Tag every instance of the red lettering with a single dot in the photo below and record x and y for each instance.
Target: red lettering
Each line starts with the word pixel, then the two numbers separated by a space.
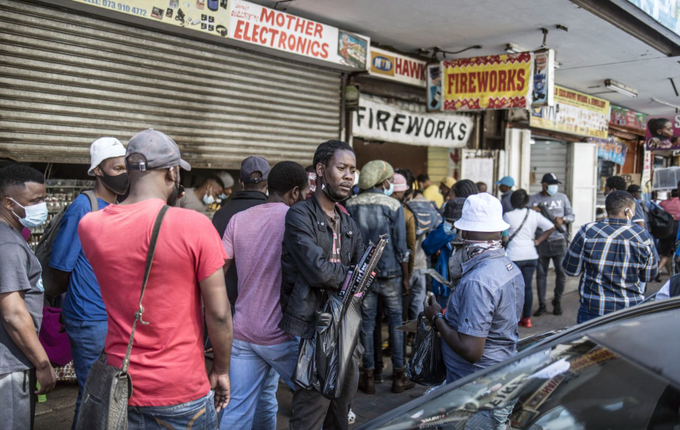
pixel 274 32
pixel 238 32
pixel 414 69
pixel 473 77
pixel 452 81
pixel 301 45
pixel 502 77
pixel 280 22
pixel 282 40
pixel 398 66
pixel 315 48
pixel 483 80
pixel 267 16
pixel 256 33
pixel 421 72
pixel 290 19
pixel 300 25
pixel 493 81
pixel 521 80
pixel 263 32
pixel 309 28
pixel 245 32
pixel 463 83
pixel 324 50
pixel 512 73
pixel 291 42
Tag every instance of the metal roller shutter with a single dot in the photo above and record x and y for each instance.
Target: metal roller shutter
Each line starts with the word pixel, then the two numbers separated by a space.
pixel 548 156
pixel 68 78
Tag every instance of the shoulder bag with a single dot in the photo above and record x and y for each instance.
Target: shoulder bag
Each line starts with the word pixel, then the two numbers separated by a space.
pixel 518 229
pixel 107 389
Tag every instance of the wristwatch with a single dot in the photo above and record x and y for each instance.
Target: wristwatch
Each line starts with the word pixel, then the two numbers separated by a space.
pixel 435 318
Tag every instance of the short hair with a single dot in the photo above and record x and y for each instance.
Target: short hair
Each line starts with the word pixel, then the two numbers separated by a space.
pixel 16 176
pixel 465 188
pixel 325 152
pixel 519 199
pixel 215 178
pixel 616 182
pixel 480 183
pixel 617 200
pixel 285 176
pixel 656 124
pixel 423 177
pixel 310 169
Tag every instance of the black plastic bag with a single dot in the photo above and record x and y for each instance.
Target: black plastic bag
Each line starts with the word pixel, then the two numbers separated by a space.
pixel 426 366
pixel 327 346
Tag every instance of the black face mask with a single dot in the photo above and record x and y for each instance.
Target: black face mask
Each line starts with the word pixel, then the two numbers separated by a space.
pixel 332 194
pixel 176 191
pixel 119 184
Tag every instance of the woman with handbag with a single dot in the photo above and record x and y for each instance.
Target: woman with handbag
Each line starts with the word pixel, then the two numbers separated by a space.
pixel 521 244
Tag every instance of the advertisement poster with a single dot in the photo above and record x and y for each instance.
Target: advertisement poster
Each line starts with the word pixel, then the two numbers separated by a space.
pixel 493 82
pixel 397 67
pixel 434 87
pixel 377 120
pixel 273 29
pixel 628 118
pixel 663 132
pixel 208 16
pixel 544 78
pixel 611 149
pixel 665 12
pixel 574 113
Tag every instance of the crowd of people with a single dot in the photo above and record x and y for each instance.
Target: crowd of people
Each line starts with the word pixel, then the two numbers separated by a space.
pixel 249 285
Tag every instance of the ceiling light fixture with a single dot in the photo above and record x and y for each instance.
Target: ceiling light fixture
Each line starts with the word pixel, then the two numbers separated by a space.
pixel 620 88
pixel 511 48
pixel 666 103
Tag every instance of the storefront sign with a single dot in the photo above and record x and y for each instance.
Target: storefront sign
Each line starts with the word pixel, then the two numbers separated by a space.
pixel 493 82
pixel 544 78
pixel 611 149
pixel 208 16
pixel 663 132
pixel 376 120
pixel 646 168
pixel 628 118
pixel 252 23
pixel 665 12
pixel 397 67
pixel 573 113
pixel 434 87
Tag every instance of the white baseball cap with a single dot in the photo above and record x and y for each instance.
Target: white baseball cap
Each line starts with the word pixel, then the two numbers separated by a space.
pixel 103 149
pixel 482 213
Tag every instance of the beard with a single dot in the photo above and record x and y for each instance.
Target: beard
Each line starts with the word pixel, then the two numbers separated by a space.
pixel 172 199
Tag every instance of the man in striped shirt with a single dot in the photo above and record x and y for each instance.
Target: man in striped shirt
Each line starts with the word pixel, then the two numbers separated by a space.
pixel 615 256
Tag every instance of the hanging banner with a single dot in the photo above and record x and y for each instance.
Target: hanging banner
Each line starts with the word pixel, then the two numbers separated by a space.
pixel 376 120
pixel 611 149
pixel 273 29
pixel 493 82
pixel 434 87
pixel 628 118
pixel 397 67
pixel 544 78
pixel 663 132
pixel 207 16
pixel 573 113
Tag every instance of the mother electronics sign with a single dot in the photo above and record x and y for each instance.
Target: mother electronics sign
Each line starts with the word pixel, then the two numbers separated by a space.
pixel 208 16
pixel 252 23
pixel 493 82
pixel 573 113
pixel 380 121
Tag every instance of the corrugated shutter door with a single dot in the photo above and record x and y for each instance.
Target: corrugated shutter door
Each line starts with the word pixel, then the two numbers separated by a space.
pixel 68 78
pixel 548 157
pixel 437 163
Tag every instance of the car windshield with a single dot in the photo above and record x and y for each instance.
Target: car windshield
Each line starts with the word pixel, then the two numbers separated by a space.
pixel 574 385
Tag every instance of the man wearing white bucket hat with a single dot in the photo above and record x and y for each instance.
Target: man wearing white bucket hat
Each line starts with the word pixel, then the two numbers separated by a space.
pixel 480 326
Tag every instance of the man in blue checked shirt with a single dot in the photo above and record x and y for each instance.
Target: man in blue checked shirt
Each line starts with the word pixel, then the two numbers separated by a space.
pixel 615 256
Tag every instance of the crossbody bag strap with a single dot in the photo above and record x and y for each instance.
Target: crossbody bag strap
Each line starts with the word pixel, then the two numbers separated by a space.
pixel 149 261
pixel 518 229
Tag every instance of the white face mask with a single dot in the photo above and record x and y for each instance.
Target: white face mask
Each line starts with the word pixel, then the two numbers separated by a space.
pixel 208 199
pixel 552 189
pixel 36 215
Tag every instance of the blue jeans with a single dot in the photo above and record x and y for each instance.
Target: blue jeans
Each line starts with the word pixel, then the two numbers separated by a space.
pixel 249 374
pixel 527 267
pixel 390 290
pixel 585 314
pixel 196 415
pixel 87 343
pixel 267 404
pixel 418 288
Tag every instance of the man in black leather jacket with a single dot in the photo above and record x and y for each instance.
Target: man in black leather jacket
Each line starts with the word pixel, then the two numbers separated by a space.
pixel 320 243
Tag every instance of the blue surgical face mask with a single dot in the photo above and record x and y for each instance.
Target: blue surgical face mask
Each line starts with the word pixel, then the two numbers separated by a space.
pixel 552 189
pixel 208 199
pixel 36 215
pixel 390 190
pixel 449 229
pixel 222 196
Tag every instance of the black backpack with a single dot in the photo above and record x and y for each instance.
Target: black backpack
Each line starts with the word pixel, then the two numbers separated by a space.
pixel 426 214
pixel 44 249
pixel 660 222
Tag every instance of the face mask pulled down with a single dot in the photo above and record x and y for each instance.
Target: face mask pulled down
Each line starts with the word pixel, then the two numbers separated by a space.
pixel 474 248
pixel 36 215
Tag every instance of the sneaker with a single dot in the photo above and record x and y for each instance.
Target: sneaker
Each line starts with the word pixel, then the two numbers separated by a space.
pixel 351 417
pixel 557 307
pixel 540 311
pixel 525 322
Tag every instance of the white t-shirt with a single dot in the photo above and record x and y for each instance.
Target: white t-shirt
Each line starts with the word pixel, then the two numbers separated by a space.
pixel 522 246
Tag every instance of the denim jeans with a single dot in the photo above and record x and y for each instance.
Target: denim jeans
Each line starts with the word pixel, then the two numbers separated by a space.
pixel 267 405
pixel 418 289
pixel 87 343
pixel 250 373
pixel 527 267
pixel 390 290
pixel 585 314
pixel 555 251
pixel 195 415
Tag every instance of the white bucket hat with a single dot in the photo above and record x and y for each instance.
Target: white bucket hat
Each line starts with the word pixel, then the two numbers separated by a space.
pixel 482 213
pixel 103 149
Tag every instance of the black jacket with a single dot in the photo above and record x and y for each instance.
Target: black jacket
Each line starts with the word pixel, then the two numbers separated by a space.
pixel 307 271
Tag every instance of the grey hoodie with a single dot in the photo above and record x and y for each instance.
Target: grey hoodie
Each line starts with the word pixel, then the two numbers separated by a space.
pixel 558 206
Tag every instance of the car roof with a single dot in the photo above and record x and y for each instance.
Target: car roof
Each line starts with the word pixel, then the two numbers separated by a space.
pixel 652 341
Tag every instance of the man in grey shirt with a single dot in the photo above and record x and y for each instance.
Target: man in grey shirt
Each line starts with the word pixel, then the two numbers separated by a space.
pixel 555 248
pixel 22 357
pixel 505 186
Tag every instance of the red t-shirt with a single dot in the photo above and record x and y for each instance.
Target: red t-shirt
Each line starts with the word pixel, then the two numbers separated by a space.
pixel 167 364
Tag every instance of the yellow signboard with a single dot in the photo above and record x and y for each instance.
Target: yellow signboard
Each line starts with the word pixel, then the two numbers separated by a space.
pixel 492 82
pixel 574 113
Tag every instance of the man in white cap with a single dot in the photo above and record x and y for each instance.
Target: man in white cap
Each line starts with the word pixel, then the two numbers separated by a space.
pixel 83 311
pixel 480 326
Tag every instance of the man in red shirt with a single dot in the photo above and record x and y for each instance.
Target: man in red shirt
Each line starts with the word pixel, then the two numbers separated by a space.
pixel 171 386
